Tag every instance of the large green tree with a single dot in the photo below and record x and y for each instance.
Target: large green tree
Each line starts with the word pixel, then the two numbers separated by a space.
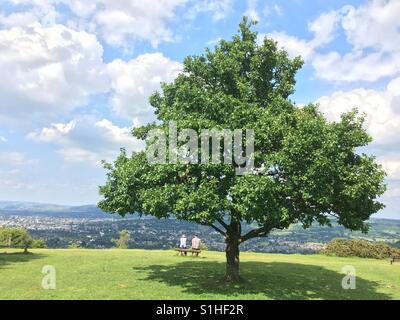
pixel 306 168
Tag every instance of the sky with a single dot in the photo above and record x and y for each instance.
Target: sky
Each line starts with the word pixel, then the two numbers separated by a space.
pixel 76 76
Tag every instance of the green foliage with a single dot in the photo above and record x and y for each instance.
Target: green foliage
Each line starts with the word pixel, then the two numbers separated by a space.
pixel 73 245
pixel 38 244
pixel 15 238
pixel 123 241
pixel 360 248
pixel 203 247
pixel 307 168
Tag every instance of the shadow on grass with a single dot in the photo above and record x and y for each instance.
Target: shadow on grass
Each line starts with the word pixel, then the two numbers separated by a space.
pixel 8 258
pixel 274 280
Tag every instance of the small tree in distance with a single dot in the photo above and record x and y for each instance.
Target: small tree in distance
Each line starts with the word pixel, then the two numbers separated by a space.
pixel 306 168
pixel 15 238
pixel 123 241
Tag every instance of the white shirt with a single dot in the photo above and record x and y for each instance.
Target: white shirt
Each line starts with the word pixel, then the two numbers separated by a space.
pixel 183 242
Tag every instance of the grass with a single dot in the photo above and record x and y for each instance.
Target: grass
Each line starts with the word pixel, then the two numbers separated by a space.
pixel 144 274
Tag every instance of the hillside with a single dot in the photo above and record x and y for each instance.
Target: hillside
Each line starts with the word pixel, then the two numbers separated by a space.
pixel 141 274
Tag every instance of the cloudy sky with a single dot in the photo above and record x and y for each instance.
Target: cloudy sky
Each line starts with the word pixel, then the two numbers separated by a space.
pixel 76 75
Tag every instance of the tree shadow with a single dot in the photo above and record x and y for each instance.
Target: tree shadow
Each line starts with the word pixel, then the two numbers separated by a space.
pixel 8 258
pixel 262 280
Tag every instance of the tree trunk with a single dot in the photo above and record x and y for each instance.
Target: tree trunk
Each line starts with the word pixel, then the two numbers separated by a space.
pixel 232 259
pixel 26 249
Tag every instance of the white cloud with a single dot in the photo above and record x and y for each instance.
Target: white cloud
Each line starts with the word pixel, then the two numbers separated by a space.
pixel 13 158
pixel 42 11
pixel 391 164
pixel 293 45
pixel 272 9
pixel 374 25
pixel 382 109
pixel 50 70
pixel 393 191
pixel 356 66
pixel 394 87
pixel 120 21
pixel 12 166
pixel 373 32
pixel 251 10
pixel 3 139
pixel 13 180
pixel 87 139
pixel 213 41
pixel 53 70
pixel 134 81
pixel 115 21
pixel 278 9
pixel 219 9
pixel 323 28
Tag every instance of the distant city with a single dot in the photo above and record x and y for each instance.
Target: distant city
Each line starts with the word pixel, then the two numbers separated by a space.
pixel 88 227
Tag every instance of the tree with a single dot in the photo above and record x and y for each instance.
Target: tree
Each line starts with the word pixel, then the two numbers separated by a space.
pixel 15 238
pixel 123 241
pixel 306 169
pixel 38 244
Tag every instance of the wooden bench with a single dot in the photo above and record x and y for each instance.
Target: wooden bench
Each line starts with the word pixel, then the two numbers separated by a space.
pixel 394 258
pixel 193 251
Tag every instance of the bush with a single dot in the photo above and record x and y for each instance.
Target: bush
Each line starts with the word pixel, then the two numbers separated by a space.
pixel 38 244
pixel 360 248
pixel 123 241
pixel 74 245
pixel 15 238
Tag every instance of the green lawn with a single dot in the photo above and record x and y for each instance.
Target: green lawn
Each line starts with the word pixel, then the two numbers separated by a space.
pixel 144 274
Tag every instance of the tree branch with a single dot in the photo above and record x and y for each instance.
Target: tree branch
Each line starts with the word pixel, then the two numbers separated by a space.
pixel 212 226
pixel 222 222
pixel 217 229
pixel 333 215
pixel 255 233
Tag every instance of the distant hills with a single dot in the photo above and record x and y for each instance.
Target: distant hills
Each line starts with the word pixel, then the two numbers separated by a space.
pixel 10 208
pixel 91 211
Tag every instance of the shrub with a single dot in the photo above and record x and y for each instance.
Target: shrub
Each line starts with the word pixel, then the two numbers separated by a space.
pixel 360 248
pixel 123 241
pixel 15 238
pixel 74 245
pixel 38 244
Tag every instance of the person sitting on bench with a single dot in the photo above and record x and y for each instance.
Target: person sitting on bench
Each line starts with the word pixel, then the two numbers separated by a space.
pixel 196 244
pixel 182 244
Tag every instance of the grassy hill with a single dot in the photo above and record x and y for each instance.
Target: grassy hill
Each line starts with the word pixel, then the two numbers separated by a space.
pixel 144 274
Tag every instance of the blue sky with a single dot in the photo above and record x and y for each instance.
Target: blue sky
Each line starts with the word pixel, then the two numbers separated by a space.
pixel 76 76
